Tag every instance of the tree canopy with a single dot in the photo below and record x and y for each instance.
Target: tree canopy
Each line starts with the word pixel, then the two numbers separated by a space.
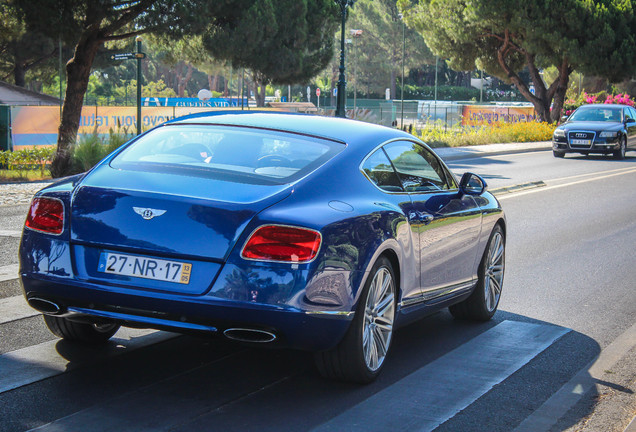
pixel 87 25
pixel 20 51
pixel 280 41
pixel 502 37
pixel 378 50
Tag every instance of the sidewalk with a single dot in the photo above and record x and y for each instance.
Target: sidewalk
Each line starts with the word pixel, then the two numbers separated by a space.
pixel 455 153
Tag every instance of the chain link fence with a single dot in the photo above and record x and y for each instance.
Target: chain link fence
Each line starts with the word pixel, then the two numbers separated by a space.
pixel 434 114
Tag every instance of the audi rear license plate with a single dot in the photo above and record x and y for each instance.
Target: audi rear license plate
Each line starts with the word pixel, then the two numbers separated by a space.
pixel 144 267
pixel 581 142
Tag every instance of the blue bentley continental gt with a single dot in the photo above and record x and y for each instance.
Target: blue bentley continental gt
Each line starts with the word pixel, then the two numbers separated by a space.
pixel 297 231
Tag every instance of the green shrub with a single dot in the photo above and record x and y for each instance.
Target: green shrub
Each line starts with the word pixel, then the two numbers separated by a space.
pixel 117 139
pixel 89 150
pixel 28 159
pixel 92 148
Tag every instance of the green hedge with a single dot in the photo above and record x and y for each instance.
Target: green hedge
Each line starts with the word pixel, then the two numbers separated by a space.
pixel 29 159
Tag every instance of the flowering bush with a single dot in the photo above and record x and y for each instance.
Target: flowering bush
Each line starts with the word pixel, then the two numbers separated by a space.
pixel 602 97
pixel 619 99
pixel 498 132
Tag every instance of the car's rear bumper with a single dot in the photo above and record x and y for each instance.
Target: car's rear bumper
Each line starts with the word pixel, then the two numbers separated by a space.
pixel 293 328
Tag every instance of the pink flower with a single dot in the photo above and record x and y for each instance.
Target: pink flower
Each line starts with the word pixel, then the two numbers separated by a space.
pixel 591 99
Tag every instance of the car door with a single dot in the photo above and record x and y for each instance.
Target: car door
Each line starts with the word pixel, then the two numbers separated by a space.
pixel 448 222
pixel 377 167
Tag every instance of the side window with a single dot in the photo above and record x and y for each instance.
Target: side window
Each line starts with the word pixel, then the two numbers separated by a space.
pixel 627 113
pixel 630 114
pixel 379 170
pixel 418 169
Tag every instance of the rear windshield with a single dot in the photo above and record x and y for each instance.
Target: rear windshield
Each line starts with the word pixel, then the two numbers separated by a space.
pixel 227 153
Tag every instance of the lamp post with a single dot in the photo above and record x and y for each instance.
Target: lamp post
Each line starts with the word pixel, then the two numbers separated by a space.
pixel 341 100
pixel 354 35
pixel 435 103
pixel 139 55
pixel 402 85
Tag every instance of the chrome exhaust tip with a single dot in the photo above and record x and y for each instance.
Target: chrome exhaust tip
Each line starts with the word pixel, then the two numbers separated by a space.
pixel 249 335
pixel 44 306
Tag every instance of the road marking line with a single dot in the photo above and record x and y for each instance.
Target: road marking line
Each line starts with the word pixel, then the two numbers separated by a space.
pixel 10 233
pixel 15 308
pixel 550 187
pixel 592 174
pixel 9 272
pixel 35 363
pixel 441 389
pixel 567 396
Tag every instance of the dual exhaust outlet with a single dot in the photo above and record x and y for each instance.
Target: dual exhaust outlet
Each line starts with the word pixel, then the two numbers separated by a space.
pixel 235 333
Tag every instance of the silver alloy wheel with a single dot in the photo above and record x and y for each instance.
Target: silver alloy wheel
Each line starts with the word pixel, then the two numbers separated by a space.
pixel 379 314
pixel 494 272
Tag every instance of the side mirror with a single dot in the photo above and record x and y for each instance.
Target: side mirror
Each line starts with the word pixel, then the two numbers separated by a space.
pixel 564 118
pixel 630 120
pixel 472 184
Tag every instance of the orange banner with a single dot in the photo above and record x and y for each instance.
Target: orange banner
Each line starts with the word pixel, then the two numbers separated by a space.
pixel 38 125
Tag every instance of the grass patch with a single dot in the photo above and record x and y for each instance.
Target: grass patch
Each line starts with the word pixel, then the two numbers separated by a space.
pixel 461 136
pixel 12 176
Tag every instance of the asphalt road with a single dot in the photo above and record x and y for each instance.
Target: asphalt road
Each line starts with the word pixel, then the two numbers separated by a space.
pixel 559 354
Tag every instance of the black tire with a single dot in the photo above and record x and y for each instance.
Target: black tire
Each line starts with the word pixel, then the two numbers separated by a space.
pixel 620 153
pixel 349 360
pixel 482 303
pixel 83 333
pixel 558 154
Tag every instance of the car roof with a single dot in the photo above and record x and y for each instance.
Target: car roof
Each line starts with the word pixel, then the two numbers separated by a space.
pixel 332 128
pixel 604 106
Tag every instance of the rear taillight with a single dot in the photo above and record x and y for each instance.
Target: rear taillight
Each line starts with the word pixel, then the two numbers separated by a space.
pixel 46 215
pixel 282 243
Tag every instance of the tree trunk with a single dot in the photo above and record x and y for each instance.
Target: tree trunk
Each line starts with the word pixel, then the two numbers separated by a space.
pixel 260 94
pixel 183 82
pixel 562 82
pixel 393 86
pixel 78 70
pixel 19 74
pixel 215 83
pixel 542 97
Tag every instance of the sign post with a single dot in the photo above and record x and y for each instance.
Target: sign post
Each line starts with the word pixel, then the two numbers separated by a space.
pixel 318 95
pixel 139 56
pixel 131 56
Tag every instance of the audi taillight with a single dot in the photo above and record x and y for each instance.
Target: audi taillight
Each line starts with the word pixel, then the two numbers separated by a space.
pixel 46 215
pixel 282 243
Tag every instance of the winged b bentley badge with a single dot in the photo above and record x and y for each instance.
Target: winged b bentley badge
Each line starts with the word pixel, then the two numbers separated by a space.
pixel 148 213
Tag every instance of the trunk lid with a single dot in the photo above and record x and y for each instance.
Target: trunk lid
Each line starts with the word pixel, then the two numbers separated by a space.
pixel 166 214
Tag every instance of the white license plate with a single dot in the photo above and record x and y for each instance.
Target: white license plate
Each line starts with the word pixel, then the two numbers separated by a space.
pixel 581 142
pixel 144 267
